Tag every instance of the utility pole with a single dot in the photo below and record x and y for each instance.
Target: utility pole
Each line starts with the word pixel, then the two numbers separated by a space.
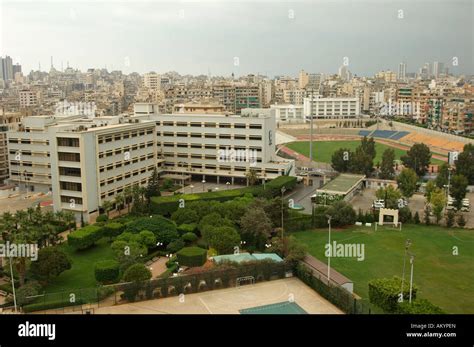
pixel 407 245
pixel 283 189
pixel 330 249
pixel 412 260
pixel 13 284
pixel 311 128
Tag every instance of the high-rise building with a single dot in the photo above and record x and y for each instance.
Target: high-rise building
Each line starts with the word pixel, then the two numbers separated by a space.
pixel 303 79
pixel 438 69
pixel 344 73
pixel 6 68
pixel 402 71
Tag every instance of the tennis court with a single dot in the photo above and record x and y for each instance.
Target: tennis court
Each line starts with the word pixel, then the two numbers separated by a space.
pixel 286 307
pixel 283 296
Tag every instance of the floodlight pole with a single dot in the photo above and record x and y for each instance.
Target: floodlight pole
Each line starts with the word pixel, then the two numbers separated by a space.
pixel 311 129
pixel 412 260
pixel 407 245
pixel 13 284
pixel 330 249
pixel 283 189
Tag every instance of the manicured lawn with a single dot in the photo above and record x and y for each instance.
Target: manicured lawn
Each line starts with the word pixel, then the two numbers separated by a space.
pixel 81 275
pixel 323 150
pixel 443 278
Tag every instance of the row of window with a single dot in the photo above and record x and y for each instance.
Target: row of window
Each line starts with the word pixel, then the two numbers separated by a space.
pixel 29 141
pixel 210 125
pixel 23 174
pixel 125 135
pixel 112 192
pixel 209 146
pixel 126 175
pixel 212 136
pixel 68 141
pixel 206 156
pixel 126 149
pixel 119 164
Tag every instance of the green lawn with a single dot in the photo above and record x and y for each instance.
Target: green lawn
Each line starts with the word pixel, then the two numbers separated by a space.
pixel 323 150
pixel 443 278
pixel 81 274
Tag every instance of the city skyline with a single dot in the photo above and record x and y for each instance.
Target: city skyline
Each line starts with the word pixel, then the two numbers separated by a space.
pixel 372 36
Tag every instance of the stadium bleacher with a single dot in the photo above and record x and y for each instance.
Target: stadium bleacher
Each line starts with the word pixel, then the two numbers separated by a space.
pixel 398 135
pixel 384 134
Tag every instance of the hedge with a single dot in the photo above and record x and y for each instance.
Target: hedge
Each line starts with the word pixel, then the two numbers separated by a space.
pixel 166 205
pixel 51 305
pixel 107 271
pixel 418 306
pixel 385 293
pixel 113 229
pixel 192 256
pixel 85 237
pixel 187 228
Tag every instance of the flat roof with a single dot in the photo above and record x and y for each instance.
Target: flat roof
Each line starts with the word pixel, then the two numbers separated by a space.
pixel 342 184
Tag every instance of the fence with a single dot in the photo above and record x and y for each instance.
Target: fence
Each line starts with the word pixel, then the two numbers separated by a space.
pixel 337 295
pixel 223 276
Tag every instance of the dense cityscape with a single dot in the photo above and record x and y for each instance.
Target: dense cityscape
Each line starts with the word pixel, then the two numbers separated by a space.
pixel 314 192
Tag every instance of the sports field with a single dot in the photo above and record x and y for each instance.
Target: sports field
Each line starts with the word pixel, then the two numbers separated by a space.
pixel 323 150
pixel 442 277
pixel 284 296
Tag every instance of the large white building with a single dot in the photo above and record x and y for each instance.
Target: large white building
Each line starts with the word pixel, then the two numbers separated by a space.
pixel 217 147
pixel 328 108
pixel 82 161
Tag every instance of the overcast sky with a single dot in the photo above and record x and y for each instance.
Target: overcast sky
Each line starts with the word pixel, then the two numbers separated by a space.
pixel 268 37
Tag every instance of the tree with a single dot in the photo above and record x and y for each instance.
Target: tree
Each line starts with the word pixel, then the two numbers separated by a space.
pixel 443 175
pixel 368 146
pixel 255 227
pixel 288 248
pixel 340 159
pixel 137 273
pixel 461 221
pixel 361 162
pixel 427 213
pixel 51 262
pixel 223 239
pixel 342 214
pixel 418 158
pixel 450 218
pixel 465 163
pixel 387 171
pixel 390 195
pixel 407 182
pixel 252 177
pixel 416 218
pixel 185 216
pixel 128 194
pixel 107 206
pixel 153 187
pixel 119 201
pixel 429 188
pixel 438 202
pixel 458 189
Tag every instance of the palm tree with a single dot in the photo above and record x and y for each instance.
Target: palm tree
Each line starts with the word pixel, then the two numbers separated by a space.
pixel 107 206
pixel 252 177
pixel 119 201
pixel 127 192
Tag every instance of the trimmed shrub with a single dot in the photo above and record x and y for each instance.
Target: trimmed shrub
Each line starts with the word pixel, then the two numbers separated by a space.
pixel 166 205
pixel 187 228
pixel 137 273
pixel 107 271
pixel 113 229
pixel 189 237
pixel 385 292
pixel 405 215
pixel 175 246
pixel 192 256
pixel 202 244
pixel 32 288
pixel 102 218
pixel 164 229
pixel 85 237
pixel 419 306
pixel 185 216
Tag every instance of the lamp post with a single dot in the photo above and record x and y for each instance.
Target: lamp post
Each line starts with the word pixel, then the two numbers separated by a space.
pixel 283 189
pixel 329 243
pixel 192 187
pixel 311 128
pixel 407 245
pixel 13 284
pixel 449 183
pixel 227 185
pixel 412 261
pixel 203 182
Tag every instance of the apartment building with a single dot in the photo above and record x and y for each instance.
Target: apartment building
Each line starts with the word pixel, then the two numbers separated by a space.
pixel 82 161
pixel 283 113
pixel 237 97
pixel 29 98
pixel 216 147
pixel 327 108
pixel 458 113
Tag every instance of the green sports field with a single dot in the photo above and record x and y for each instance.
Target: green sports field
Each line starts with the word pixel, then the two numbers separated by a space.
pixel 443 278
pixel 323 150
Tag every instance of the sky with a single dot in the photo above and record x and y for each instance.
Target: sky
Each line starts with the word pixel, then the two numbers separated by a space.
pixel 241 37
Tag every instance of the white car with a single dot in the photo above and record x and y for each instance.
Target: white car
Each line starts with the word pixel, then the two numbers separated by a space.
pixel 378 204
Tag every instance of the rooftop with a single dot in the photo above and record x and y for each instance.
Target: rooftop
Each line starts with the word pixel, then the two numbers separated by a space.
pixel 342 184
